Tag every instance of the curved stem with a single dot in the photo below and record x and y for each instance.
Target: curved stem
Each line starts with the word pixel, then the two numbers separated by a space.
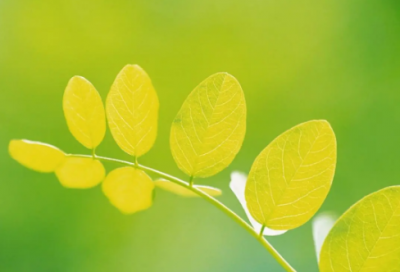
pixel 209 199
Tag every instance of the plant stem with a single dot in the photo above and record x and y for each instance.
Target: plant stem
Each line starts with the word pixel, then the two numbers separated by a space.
pixel 211 200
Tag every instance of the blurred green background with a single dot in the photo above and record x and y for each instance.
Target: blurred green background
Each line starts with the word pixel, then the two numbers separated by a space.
pixel 297 60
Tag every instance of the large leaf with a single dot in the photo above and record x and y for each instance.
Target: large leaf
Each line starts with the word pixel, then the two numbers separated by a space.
pixel 132 111
pixel 80 173
pixel 84 112
pixel 238 185
pixel 35 155
pixel 367 237
pixel 182 191
pixel 209 129
pixel 129 189
pixel 290 179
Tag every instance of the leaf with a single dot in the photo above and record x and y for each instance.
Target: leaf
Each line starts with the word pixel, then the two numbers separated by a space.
pixel 209 129
pixel 35 155
pixel 366 238
pixel 129 189
pixel 132 111
pixel 80 173
pixel 237 185
pixel 321 226
pixel 84 112
pixel 290 179
pixel 182 191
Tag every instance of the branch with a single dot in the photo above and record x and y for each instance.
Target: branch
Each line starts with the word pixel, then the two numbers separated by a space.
pixel 209 199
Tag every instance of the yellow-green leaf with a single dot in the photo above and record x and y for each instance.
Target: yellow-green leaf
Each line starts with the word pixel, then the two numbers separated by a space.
pixel 209 129
pixel 290 179
pixel 80 173
pixel 132 111
pixel 84 112
pixel 35 155
pixel 129 189
pixel 182 191
pixel 367 237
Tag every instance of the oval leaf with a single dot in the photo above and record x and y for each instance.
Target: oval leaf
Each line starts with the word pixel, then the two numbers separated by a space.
pixel 209 129
pixel 182 191
pixel 129 189
pixel 80 173
pixel 132 111
pixel 238 185
pixel 290 179
pixel 35 155
pixel 84 112
pixel 366 237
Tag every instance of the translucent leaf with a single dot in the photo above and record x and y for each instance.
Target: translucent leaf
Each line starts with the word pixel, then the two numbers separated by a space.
pixel 238 185
pixel 182 191
pixel 80 173
pixel 35 155
pixel 321 226
pixel 209 129
pixel 367 237
pixel 132 111
pixel 129 189
pixel 84 112
pixel 290 179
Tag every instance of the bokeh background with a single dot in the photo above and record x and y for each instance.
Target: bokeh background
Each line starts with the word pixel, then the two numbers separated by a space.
pixel 297 60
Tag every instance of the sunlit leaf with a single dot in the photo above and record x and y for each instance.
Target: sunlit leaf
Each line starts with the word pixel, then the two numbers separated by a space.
pixel 182 191
pixel 84 112
pixel 80 173
pixel 321 226
pixel 35 155
pixel 290 179
pixel 209 129
pixel 238 185
pixel 367 237
pixel 132 111
pixel 129 189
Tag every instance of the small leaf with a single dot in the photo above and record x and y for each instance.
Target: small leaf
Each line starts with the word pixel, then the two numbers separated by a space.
pixel 366 237
pixel 84 112
pixel 35 155
pixel 238 185
pixel 129 189
pixel 182 191
pixel 321 226
pixel 80 173
pixel 132 111
pixel 209 129
pixel 292 176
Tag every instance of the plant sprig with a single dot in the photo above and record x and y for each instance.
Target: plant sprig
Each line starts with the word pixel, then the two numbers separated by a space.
pixel 287 183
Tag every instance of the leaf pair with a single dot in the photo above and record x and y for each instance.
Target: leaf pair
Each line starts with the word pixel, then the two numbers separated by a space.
pixel 72 172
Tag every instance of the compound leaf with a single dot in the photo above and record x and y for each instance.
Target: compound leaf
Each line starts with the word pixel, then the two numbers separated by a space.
pixel 80 173
pixel 132 111
pixel 84 112
pixel 35 155
pixel 366 238
pixel 209 129
pixel 292 176
pixel 129 189
pixel 182 191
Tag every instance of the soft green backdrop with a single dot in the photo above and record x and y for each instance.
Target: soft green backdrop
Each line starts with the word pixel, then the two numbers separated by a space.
pixel 296 60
